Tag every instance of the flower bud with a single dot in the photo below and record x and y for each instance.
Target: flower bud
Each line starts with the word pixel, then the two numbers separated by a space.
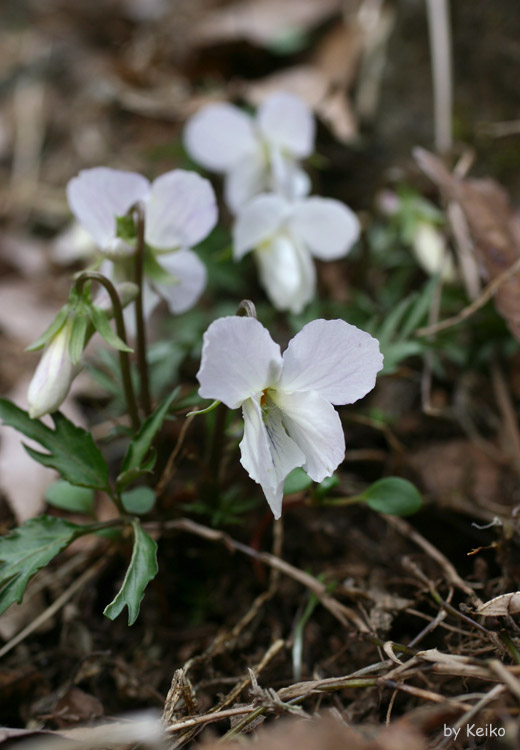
pixel 53 376
pixel 431 252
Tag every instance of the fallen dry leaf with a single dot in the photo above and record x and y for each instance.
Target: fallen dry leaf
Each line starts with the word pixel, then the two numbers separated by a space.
pixel 323 82
pixel 327 734
pixel 492 225
pixel 500 606
pixel 458 473
pixel 261 21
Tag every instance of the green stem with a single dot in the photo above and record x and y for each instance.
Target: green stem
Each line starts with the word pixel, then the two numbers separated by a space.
pixel 353 500
pixel 124 360
pixel 142 364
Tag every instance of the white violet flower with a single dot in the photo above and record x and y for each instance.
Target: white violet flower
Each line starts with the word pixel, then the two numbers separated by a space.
pixel 179 209
pixel 256 155
pixel 285 235
pixel 287 401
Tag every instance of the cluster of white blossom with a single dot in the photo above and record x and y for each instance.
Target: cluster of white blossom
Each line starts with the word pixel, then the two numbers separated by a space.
pixel 287 401
pixel 267 191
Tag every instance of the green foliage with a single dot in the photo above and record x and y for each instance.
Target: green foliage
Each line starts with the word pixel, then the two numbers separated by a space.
pixel 54 328
pixel 138 500
pixel 296 481
pixel 396 333
pixel 100 321
pixel 66 496
pixel 142 569
pixel 136 460
pixel 72 450
pixel 225 508
pixel 125 228
pixel 29 548
pixel 394 496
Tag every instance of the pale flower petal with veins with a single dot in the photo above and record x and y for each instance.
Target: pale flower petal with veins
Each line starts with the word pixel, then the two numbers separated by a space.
pixel 287 402
pixel 286 235
pixel 179 211
pixel 255 155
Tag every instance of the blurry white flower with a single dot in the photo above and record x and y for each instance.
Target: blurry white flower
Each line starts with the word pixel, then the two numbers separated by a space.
pixel 256 155
pixel 429 246
pixel 179 209
pixel 287 402
pixel 53 376
pixel 286 235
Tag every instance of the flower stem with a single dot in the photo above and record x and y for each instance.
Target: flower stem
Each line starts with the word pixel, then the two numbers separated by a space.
pixel 124 361
pixel 246 309
pixel 142 364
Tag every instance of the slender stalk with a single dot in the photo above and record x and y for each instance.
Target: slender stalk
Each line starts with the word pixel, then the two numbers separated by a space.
pixel 142 364
pixel 246 309
pixel 440 52
pixel 124 360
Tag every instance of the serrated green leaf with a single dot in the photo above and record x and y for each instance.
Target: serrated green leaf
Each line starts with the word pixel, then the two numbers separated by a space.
pixel 66 496
pixel 72 450
pixel 141 443
pixel 138 500
pixel 142 569
pixel 29 548
pixel 51 331
pixel 393 495
pixel 296 481
pixel 101 323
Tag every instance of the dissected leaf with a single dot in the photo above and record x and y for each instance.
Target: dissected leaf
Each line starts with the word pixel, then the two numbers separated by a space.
pixel 492 226
pixel 393 495
pixel 142 569
pixel 72 450
pixel 29 548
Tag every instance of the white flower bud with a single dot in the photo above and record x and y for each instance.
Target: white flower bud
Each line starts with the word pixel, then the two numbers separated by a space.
pixel 431 252
pixel 53 376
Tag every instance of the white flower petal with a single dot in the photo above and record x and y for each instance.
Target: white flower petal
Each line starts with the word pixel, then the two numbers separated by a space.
pixel 239 359
pixel 267 453
pixel 287 177
pixel 286 121
pixel 257 222
pixel 190 273
pixel 314 425
pixel 181 210
pixel 97 196
pixel 334 358
pixel 328 227
pixel 287 273
pixel 219 135
pixel 248 177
